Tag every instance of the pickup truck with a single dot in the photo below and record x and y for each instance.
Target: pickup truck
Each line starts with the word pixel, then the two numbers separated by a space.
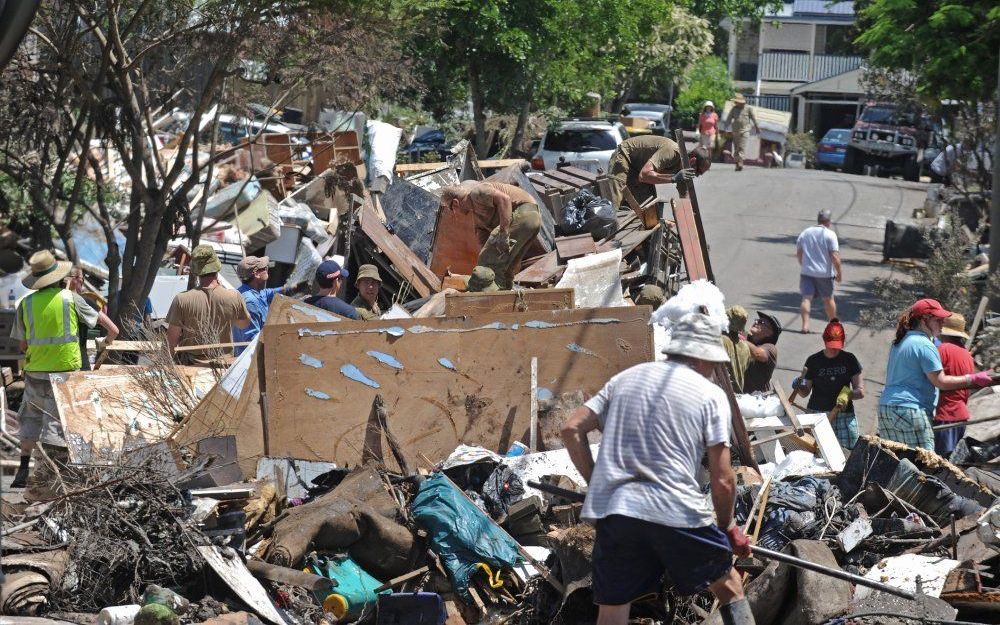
pixel 887 140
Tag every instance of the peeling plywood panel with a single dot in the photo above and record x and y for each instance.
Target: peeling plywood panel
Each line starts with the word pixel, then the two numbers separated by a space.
pixel 113 409
pixel 458 304
pixel 445 381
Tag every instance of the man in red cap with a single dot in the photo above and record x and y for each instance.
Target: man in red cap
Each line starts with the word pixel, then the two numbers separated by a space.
pixel 834 378
pixel 915 375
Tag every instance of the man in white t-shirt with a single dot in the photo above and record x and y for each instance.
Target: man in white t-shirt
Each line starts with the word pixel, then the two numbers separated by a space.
pixel 659 419
pixel 818 252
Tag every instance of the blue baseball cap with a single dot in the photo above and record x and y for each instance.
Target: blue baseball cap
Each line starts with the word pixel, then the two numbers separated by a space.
pixel 328 270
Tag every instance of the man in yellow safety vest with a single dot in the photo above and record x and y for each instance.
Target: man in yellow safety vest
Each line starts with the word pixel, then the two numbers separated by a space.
pixel 47 324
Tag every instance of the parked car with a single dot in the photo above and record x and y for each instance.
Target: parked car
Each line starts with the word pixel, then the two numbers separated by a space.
pixel 430 142
pixel 233 128
pixel 584 143
pixel 832 148
pixel 653 112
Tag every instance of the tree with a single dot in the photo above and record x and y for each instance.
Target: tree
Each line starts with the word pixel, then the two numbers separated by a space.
pixel 707 79
pixel 674 44
pixel 85 91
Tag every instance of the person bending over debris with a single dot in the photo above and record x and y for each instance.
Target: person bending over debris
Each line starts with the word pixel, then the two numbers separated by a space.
pixel 507 220
pixel 659 420
pixel 834 377
pixel 914 376
pixel 47 326
pixel 640 163
pixel 368 284
pixel 330 278
pixel 205 314
pixel 253 272
pixel 953 406
pixel 762 341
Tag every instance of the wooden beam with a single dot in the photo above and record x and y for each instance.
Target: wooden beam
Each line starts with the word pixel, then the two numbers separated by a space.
pixel 978 320
pixel 403 169
pixel 679 137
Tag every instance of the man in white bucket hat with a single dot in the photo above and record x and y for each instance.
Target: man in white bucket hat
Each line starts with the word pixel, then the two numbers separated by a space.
pixel 659 419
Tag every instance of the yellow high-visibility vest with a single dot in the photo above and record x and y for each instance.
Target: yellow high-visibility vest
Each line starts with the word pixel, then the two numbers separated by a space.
pixel 52 325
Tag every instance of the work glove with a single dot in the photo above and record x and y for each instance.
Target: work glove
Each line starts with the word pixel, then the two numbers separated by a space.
pixel 981 379
pixel 684 175
pixel 843 397
pixel 501 241
pixel 797 382
pixel 739 541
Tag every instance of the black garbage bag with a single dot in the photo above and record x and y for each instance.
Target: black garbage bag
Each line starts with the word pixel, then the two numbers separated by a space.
pixel 502 488
pixel 586 212
pixel 972 451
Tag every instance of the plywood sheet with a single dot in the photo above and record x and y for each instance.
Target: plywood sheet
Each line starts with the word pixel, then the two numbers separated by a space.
pixel 114 409
pixel 456 247
pixel 403 259
pixel 316 412
pixel 525 300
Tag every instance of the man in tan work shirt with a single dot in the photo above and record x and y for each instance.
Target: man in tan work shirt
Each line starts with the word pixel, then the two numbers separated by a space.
pixel 641 163
pixel 507 219
pixel 740 119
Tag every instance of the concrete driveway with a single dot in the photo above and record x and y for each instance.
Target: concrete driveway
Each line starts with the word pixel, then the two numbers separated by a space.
pixel 752 219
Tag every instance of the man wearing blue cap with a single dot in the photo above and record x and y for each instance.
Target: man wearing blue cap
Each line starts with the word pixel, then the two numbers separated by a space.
pixel 330 278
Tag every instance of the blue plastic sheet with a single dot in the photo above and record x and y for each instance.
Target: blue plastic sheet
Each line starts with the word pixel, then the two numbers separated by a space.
pixel 460 533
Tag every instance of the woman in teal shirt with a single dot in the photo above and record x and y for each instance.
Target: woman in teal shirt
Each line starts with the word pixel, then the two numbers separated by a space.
pixel 914 376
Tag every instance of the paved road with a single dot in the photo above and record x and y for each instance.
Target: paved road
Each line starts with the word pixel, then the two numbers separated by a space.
pixel 752 219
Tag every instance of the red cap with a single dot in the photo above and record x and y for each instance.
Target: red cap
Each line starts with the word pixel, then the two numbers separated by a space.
pixel 833 335
pixel 929 307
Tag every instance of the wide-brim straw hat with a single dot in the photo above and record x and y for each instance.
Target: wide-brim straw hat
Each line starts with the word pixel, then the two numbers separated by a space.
pixel 45 270
pixel 696 336
pixel 739 98
pixel 955 326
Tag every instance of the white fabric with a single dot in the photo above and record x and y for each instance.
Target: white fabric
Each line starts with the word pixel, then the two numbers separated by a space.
pixel 817 244
pixel 658 419
pixel 595 279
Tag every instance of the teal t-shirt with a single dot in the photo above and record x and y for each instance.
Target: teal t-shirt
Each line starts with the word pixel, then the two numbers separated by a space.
pixel 906 382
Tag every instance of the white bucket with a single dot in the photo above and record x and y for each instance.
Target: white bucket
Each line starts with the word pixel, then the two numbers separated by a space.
pixel 118 614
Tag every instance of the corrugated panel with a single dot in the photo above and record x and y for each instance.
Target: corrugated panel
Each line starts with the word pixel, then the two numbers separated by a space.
pixel 822 7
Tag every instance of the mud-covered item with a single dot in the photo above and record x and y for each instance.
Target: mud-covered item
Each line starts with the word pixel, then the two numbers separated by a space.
pixel 461 534
pixel 586 212
pixel 502 488
pixel 156 614
pixel 358 516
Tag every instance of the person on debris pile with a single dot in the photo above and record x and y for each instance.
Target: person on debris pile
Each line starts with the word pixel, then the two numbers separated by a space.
pixel 740 119
pixel 708 126
pixel 507 220
pixel 818 252
pixel 74 282
pixel 641 163
pixel 482 280
pixel 330 278
pixel 650 295
pixel 368 284
pixel 47 326
pixel 659 419
pixel 914 376
pixel 206 314
pixel 253 273
pixel 834 379
pixel 953 406
pixel 762 343
pixel 738 349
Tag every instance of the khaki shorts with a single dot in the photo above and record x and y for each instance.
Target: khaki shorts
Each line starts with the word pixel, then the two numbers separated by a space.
pixel 38 418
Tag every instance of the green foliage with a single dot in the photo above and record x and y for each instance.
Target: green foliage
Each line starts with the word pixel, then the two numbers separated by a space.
pixel 803 142
pixel 707 79
pixel 673 46
pixel 952 45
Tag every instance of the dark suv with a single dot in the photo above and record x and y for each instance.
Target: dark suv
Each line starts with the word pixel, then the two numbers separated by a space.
pixel 888 139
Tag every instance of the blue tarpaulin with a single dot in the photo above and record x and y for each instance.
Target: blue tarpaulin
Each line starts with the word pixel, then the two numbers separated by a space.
pixel 460 533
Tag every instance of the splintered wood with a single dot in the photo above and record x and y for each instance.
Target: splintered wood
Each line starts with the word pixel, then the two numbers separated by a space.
pixel 118 408
pixel 445 381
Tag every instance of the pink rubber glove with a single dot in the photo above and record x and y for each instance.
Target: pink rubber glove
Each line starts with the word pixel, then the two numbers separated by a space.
pixel 981 379
pixel 739 541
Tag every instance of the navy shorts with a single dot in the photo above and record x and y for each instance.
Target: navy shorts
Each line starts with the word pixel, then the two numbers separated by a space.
pixel 631 556
pixel 815 287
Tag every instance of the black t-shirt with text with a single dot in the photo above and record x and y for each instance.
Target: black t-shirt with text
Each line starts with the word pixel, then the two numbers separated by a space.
pixel 828 377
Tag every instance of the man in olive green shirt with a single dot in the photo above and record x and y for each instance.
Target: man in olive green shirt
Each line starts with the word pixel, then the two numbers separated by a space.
pixel 640 163
pixel 368 284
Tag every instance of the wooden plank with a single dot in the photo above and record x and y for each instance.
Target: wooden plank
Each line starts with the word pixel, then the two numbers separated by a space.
pixel 687 231
pixel 460 304
pixel 692 196
pixel 567 178
pixel 316 412
pixel 568 248
pixel 105 412
pixel 579 173
pixel 403 259
pixel 404 169
pixel 456 246
pixel 546 270
pixel 553 183
pixel 978 320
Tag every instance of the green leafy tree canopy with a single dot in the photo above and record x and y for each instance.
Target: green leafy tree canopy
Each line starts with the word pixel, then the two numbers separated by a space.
pixel 707 79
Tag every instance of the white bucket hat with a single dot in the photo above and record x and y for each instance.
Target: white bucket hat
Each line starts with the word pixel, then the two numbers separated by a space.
pixel 696 336
pixel 707 104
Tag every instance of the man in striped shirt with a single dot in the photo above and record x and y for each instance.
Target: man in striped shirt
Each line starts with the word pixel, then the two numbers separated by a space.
pixel 659 419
